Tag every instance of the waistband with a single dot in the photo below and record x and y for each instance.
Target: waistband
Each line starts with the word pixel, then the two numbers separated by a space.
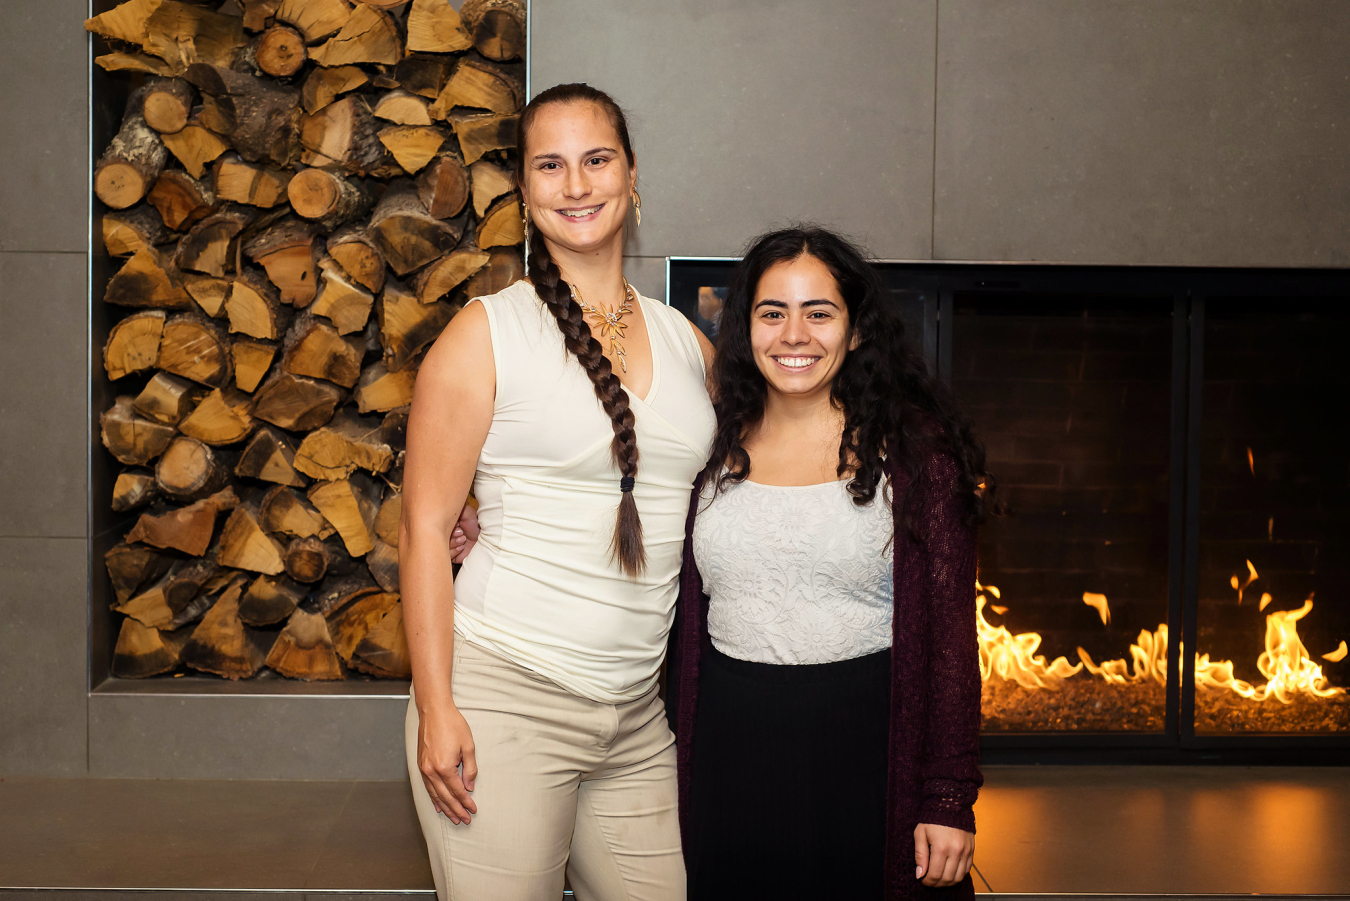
pixel 869 666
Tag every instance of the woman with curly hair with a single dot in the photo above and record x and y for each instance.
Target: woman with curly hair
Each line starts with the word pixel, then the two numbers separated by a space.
pixel 824 678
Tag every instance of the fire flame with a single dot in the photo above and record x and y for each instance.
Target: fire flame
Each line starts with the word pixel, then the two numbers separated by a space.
pixel 1014 657
pixel 1286 664
pixel 1240 587
pixel 1098 602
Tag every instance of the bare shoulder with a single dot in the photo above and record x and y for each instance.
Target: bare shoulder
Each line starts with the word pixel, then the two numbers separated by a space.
pixel 704 345
pixel 462 355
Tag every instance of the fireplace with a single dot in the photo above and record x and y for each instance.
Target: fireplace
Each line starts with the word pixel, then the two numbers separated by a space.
pixel 1071 395
pixel 1274 517
pixel 1169 446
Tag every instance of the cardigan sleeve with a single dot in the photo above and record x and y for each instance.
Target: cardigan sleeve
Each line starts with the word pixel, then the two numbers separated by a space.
pixel 950 770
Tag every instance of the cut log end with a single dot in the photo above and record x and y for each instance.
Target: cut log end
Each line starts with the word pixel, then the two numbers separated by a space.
pixel 133 489
pixel 280 51
pixel 133 344
pixel 189 470
pixel 168 105
pixel 269 457
pixel 187 529
pixel 352 623
pixel 144 651
pixel 353 250
pixel 502 225
pixel 131 438
pixel 244 544
pixel 497 27
pixel 252 359
pixel 120 184
pixel 222 644
pixel 269 600
pixel 295 402
pixel 384 650
pixel 304 649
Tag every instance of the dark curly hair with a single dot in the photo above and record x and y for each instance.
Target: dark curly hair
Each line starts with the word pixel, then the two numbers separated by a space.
pixel 556 293
pixel 891 405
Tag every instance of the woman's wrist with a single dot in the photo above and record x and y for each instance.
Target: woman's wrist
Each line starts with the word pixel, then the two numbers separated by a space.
pixel 434 703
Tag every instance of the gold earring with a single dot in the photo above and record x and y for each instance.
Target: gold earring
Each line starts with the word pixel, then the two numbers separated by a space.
pixel 525 218
pixel 637 206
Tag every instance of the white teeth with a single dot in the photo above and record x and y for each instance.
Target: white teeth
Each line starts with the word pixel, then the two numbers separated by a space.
pixel 796 362
pixel 577 214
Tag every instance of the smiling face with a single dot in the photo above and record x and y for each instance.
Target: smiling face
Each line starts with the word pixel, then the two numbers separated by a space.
pixel 577 178
pixel 799 327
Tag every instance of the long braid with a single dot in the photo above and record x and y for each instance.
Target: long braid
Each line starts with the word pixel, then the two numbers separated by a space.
pixel 577 338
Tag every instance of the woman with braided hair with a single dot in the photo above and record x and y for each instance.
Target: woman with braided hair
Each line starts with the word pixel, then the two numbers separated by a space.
pixel 576 409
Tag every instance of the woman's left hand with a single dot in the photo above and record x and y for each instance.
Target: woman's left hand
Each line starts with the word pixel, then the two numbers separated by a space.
pixel 943 855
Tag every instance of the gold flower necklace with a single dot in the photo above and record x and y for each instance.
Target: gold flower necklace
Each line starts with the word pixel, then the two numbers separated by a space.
pixel 611 321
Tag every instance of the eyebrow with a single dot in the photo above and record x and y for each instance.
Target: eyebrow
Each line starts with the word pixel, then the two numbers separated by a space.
pixel 559 156
pixel 815 302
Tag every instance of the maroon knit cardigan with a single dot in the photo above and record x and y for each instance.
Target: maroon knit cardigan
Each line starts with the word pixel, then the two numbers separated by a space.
pixel 934 772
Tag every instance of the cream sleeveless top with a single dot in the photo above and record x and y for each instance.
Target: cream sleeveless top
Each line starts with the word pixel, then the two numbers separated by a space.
pixel 540 586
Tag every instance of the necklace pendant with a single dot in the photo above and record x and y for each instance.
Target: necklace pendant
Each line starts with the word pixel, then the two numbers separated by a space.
pixel 610 322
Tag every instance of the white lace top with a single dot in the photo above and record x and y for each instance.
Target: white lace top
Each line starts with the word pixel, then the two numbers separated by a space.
pixel 795 574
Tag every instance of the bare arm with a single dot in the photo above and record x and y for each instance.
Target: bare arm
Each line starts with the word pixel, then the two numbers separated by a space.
pixel 706 347
pixel 449 421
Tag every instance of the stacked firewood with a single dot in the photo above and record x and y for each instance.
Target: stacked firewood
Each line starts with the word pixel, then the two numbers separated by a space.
pixel 306 191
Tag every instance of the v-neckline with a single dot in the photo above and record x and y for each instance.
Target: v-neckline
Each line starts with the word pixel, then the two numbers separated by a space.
pixel 656 357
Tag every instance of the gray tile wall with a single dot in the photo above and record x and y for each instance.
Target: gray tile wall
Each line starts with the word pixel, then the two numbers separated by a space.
pixel 746 116
pixel 1206 132
pixel 1203 132
pixel 43 354
pixel 246 737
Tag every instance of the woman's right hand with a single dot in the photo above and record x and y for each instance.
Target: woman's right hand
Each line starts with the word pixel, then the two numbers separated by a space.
pixel 444 743
pixel 465 535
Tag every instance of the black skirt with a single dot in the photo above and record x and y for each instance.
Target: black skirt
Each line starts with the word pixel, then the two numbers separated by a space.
pixel 789 779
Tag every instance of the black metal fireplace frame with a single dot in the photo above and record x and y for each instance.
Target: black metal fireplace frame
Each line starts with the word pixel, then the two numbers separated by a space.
pixel 932 288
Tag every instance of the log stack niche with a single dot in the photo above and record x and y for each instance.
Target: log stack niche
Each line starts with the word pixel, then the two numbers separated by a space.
pixel 298 198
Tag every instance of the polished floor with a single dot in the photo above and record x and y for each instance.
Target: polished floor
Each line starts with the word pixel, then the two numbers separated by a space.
pixel 1165 830
pixel 1044 831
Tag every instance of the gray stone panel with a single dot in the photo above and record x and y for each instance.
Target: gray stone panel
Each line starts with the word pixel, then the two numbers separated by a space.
pixel 43 605
pixel 43 354
pixel 44 142
pixel 246 737
pixel 168 834
pixel 120 894
pixel 647 275
pixel 749 115
pixel 183 837
pixel 1206 132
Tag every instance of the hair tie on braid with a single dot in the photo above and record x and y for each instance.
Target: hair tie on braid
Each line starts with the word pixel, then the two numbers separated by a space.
pixel 626 483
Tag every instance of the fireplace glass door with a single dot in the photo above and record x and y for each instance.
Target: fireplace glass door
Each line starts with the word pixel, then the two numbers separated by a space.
pixel 1071 395
pixel 1274 517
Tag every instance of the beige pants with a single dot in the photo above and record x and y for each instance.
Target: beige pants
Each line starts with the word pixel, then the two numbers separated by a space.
pixel 565 785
